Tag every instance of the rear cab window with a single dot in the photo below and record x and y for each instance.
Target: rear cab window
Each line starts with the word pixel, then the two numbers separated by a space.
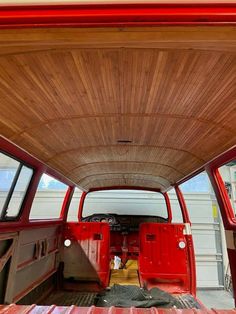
pixel 125 202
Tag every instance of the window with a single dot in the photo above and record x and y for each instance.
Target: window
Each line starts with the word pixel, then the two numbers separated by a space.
pixel 14 182
pixel 48 199
pixel 198 194
pixel 74 206
pixel 228 174
pixel 175 207
pixel 125 202
pixel 198 184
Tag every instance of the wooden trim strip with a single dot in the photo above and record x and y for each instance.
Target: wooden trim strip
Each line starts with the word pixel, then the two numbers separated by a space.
pixel 125 145
pixel 136 179
pixel 123 162
pixel 142 115
pixel 126 173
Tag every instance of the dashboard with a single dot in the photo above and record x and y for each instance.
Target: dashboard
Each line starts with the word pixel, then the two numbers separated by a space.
pixel 123 222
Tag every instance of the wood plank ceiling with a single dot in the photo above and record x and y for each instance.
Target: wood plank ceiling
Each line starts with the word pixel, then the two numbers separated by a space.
pixel 106 114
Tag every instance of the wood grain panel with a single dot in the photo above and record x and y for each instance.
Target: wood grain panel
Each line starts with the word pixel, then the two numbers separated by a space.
pixel 160 170
pixel 173 163
pixel 154 131
pixel 176 37
pixel 70 96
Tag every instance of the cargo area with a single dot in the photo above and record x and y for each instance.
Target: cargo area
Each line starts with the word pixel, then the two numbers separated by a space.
pixel 87 299
pixel 112 261
pixel 118 295
pixel 76 265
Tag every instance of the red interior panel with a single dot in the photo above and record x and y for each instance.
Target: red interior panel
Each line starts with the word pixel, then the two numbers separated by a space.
pixel 92 257
pixel 162 262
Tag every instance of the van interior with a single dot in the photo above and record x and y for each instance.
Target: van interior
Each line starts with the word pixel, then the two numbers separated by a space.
pixel 105 98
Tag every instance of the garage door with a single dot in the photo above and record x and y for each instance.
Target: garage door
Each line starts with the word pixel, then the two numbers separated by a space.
pixel 206 231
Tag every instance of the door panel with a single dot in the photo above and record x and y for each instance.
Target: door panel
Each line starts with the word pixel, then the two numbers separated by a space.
pixel 33 261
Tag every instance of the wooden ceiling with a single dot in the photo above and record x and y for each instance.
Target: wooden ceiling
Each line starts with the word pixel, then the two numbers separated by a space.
pixel 125 107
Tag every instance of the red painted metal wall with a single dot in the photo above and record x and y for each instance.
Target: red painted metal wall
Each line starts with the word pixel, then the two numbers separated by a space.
pixel 93 241
pixel 162 262
pixel 117 15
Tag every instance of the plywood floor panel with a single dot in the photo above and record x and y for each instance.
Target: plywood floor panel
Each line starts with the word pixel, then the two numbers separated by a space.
pixel 124 277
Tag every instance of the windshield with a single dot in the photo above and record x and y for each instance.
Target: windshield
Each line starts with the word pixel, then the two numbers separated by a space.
pixel 125 202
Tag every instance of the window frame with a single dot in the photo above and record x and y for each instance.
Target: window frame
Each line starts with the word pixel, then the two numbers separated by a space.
pixel 85 194
pixel 3 216
pixel 219 188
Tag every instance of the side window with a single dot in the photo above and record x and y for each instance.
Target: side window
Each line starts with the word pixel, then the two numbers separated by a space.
pixel 198 197
pixel 175 207
pixel 228 174
pixel 48 200
pixel 74 206
pixel 14 182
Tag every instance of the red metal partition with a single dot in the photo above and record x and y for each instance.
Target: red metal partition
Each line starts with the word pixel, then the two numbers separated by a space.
pixel 88 257
pixel 163 259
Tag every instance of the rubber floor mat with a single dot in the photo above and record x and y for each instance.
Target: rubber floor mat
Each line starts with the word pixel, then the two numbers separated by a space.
pixel 187 301
pixel 68 298
pixel 133 296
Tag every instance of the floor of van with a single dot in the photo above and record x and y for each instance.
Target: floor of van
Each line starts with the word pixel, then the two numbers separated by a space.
pixel 86 294
pixel 68 298
pixel 87 299
pixel 126 276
